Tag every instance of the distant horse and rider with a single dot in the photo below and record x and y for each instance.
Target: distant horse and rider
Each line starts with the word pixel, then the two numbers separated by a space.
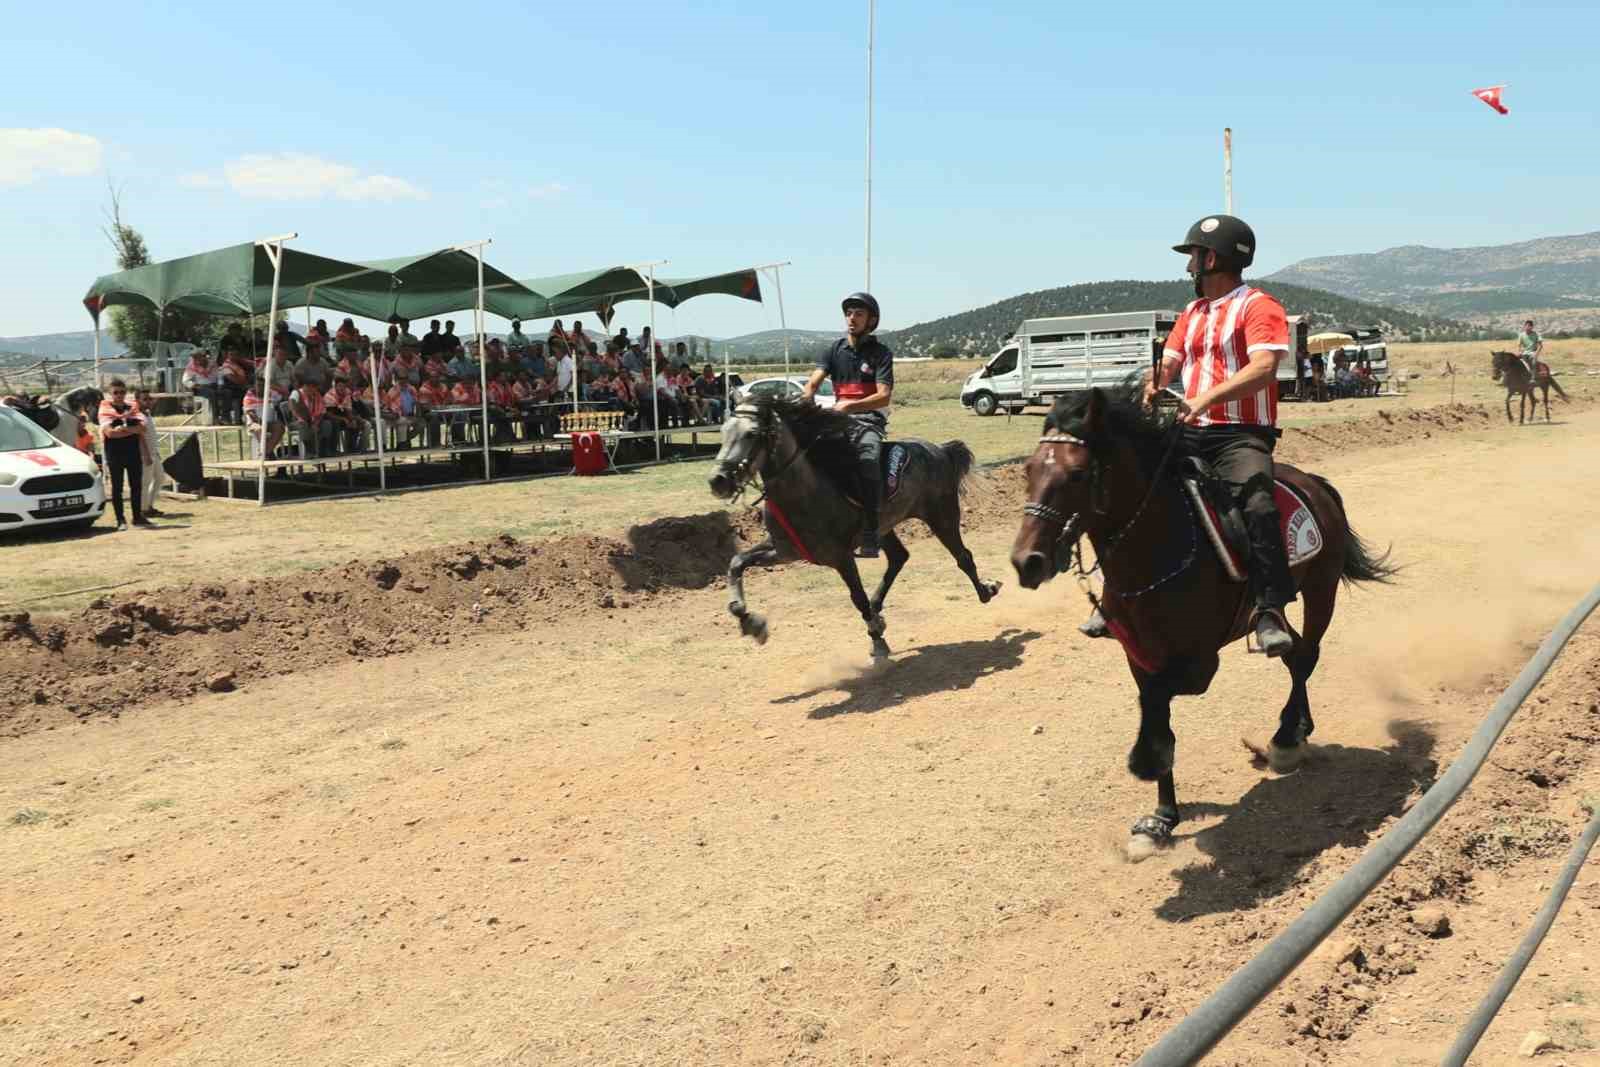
pixel 1512 370
pixel 806 460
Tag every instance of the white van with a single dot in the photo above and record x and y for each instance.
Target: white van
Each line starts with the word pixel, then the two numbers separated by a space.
pixel 1047 358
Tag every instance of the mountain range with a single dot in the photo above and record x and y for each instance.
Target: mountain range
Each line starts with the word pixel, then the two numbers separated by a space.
pixel 1555 280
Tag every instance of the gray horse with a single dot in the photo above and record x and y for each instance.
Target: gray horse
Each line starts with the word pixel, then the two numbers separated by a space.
pixel 806 462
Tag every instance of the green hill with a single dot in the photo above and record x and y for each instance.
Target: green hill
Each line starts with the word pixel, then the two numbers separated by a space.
pixel 978 332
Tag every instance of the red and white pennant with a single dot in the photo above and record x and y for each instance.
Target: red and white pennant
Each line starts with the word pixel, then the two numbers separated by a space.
pixel 1491 96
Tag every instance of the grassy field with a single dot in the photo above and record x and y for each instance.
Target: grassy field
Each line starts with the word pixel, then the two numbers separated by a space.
pixel 222 540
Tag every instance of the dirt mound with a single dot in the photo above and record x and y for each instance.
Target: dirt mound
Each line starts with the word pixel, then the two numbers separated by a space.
pixel 120 653
pixel 1304 445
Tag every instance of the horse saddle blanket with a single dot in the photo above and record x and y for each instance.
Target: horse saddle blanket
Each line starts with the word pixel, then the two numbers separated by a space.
pixel 893 459
pixel 1224 525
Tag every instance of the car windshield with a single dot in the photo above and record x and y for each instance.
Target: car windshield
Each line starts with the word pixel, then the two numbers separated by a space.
pixel 18 432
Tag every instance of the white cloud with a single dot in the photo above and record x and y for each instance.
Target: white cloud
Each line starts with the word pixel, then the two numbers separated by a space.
pixel 28 155
pixel 547 191
pixel 297 176
pixel 200 180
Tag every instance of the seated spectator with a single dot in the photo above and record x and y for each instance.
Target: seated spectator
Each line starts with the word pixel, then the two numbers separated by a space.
pixel 624 395
pixel 463 366
pixel 289 340
pixel 434 394
pixel 312 368
pixel 688 395
pixel 401 407
pixel 233 380
pixel 1344 381
pixel 201 379
pixel 349 427
pixel 712 392
pixel 282 372
pixel 632 360
pixel 311 422
pixel 354 370
pixel 409 365
pixel 255 415
pixel 672 409
pixel 502 405
pixel 435 364
pixel 321 331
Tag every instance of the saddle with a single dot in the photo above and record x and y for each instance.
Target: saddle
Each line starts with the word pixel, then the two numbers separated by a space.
pixel 1223 522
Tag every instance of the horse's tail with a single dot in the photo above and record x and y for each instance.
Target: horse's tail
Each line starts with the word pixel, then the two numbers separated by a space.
pixel 961 459
pixel 1551 378
pixel 1361 564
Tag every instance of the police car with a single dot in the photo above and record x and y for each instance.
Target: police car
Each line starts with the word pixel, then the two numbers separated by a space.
pixel 42 481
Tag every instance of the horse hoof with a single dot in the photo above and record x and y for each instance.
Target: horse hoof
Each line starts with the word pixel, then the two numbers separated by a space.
pixel 989 592
pixel 754 626
pixel 880 649
pixel 1150 834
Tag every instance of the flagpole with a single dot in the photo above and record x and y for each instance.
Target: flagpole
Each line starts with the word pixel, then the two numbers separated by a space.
pixel 1227 169
pixel 871 33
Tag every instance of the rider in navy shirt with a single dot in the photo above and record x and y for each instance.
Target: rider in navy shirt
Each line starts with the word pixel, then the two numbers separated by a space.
pixel 862 370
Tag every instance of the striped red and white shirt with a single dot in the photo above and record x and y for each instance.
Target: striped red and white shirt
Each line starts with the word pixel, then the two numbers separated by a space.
pixel 1214 340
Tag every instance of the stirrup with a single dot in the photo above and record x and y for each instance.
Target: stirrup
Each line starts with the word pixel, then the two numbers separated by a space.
pixel 1271 631
pixel 1095 626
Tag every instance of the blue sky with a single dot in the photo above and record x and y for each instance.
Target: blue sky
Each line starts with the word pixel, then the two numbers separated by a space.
pixel 1018 147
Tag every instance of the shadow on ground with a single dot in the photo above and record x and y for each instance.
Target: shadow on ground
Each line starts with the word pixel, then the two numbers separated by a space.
pixel 918 672
pixel 1340 797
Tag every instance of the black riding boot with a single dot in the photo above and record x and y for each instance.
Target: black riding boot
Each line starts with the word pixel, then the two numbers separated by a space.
pixel 1270 583
pixel 868 478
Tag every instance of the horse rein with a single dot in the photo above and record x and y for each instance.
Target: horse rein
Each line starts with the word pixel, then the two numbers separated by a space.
pixel 743 472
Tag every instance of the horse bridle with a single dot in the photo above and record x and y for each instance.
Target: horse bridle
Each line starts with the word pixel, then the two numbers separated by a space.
pixel 744 471
pixel 1072 526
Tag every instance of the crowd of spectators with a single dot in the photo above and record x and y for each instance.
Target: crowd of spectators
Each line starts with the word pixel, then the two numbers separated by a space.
pixel 323 384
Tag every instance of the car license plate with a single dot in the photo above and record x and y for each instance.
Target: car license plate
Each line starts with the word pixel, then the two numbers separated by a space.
pixel 56 503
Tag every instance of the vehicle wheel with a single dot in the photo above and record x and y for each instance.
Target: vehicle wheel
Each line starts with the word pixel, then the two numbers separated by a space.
pixel 985 404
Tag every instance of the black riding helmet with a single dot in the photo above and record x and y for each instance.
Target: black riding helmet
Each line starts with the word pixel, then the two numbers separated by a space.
pixel 862 300
pixel 1230 238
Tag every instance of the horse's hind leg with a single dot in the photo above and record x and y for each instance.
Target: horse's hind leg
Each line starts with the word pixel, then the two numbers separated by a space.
pixel 858 597
pixel 751 625
pixel 1294 722
pixel 897 554
pixel 946 526
pixel 1152 757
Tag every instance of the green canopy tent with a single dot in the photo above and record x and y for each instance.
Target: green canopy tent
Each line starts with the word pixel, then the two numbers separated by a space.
pixel 601 290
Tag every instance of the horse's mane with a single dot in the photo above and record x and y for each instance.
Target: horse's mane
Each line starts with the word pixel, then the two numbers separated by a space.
pixel 1123 416
pixel 825 435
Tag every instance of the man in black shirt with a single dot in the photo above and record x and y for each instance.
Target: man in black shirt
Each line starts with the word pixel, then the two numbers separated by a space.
pixel 862 369
pixel 432 341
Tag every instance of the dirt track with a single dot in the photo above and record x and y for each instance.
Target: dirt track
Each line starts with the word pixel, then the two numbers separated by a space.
pixel 481 815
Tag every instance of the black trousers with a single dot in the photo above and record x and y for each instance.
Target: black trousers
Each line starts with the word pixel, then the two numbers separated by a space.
pixel 1242 458
pixel 868 431
pixel 124 461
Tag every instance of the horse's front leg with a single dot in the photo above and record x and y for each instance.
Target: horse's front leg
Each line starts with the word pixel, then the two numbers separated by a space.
pixel 858 597
pixel 763 555
pixel 897 553
pixel 1151 758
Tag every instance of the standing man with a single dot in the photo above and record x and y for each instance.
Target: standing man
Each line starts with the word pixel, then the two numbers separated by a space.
pixel 150 471
pixel 1226 345
pixel 1531 345
pixel 862 370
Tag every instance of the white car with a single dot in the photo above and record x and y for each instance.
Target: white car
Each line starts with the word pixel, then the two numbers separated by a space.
pixel 785 387
pixel 42 481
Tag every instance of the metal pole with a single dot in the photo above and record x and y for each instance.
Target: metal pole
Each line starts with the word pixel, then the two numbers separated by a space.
pixel 483 361
pixel 377 419
pixel 651 296
pixel 871 32
pixel 1227 169
pixel 274 249
pixel 97 383
pixel 783 321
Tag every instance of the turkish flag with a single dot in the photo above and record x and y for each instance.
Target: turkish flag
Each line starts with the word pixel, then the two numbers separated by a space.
pixel 1491 96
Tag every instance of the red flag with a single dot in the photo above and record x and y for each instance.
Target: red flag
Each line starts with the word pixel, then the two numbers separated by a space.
pixel 1491 96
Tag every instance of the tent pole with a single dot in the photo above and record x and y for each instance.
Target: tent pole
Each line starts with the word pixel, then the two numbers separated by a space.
pixel 97 382
pixel 483 362
pixel 274 249
pixel 651 353
pixel 377 419
pixel 777 277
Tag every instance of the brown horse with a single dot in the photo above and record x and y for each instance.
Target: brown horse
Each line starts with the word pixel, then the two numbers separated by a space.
pixel 1104 468
pixel 1509 368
